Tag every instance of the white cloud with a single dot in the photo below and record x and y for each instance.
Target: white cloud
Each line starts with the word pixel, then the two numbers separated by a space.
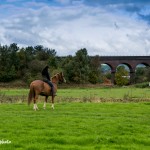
pixel 68 29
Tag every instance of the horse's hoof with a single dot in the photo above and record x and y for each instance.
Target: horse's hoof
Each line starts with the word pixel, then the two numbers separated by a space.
pixel 52 106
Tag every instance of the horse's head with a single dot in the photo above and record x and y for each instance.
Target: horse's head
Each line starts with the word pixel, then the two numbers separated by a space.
pixel 59 77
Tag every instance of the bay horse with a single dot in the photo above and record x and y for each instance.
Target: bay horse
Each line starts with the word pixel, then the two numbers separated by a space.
pixel 39 87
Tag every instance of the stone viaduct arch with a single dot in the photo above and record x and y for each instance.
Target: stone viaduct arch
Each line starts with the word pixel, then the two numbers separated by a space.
pixel 130 61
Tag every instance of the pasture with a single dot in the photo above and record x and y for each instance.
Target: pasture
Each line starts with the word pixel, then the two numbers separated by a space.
pixel 107 94
pixel 83 119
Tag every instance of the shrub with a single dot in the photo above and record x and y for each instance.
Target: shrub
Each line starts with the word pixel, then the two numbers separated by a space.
pixel 142 85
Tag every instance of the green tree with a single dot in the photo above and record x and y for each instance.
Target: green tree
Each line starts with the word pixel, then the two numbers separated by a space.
pixel 40 53
pixel 77 67
pixel 14 59
pixel 81 66
pixel 94 70
pixel 68 64
pixel 139 74
pixel 142 74
pixel 121 76
pixel 147 73
pixel 52 60
pixel 9 62
pixel 30 53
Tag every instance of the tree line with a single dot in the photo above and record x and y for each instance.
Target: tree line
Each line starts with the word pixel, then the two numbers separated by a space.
pixel 27 63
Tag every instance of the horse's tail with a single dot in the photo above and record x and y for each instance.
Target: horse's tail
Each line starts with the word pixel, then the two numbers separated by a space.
pixel 31 94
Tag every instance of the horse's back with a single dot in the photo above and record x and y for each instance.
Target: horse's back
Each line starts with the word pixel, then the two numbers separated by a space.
pixel 37 82
pixel 40 86
pixel 37 85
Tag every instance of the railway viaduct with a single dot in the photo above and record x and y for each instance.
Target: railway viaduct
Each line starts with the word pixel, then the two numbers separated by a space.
pixel 130 61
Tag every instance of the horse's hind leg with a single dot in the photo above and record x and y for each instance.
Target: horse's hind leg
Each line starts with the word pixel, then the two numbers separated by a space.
pixel 35 105
pixel 53 102
pixel 44 106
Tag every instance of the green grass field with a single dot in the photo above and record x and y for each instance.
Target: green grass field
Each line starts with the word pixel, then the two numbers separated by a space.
pixel 80 121
pixel 126 94
pixel 76 126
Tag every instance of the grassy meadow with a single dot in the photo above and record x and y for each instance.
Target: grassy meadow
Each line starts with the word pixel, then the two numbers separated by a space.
pixel 77 126
pixel 107 94
pixel 83 119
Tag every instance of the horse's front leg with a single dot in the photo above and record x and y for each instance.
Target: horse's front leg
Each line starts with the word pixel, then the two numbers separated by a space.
pixel 53 102
pixel 44 106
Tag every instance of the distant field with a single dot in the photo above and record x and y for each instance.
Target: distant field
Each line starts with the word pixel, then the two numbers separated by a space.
pixel 76 126
pixel 83 95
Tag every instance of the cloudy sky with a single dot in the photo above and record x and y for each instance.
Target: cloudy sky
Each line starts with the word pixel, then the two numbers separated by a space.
pixel 103 27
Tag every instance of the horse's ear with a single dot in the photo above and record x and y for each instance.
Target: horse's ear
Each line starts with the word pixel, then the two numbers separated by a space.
pixel 57 74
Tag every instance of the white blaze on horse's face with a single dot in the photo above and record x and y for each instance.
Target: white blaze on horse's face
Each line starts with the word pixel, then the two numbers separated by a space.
pixel 64 80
